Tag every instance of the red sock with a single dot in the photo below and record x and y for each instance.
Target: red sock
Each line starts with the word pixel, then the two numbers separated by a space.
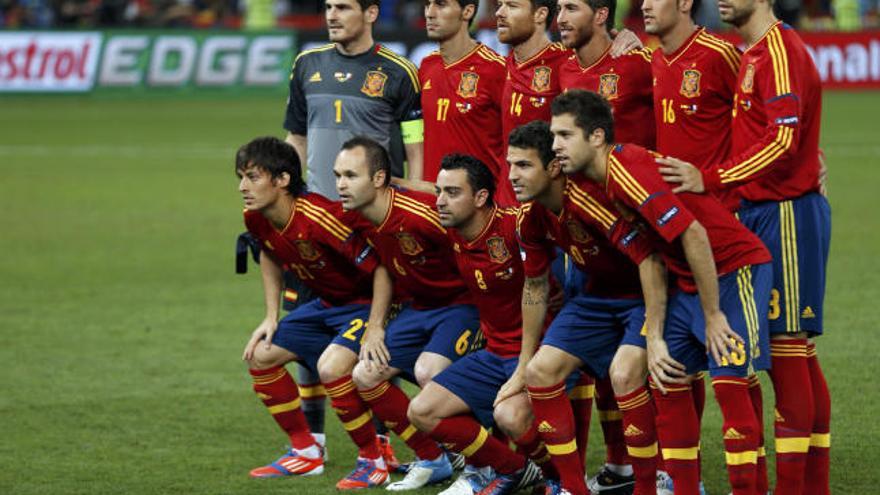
pixel 611 420
pixel 679 432
pixel 640 436
pixel 698 389
pixel 279 393
pixel 761 482
pixel 795 411
pixel 390 404
pixel 464 434
pixel 556 427
pixel 355 416
pixel 816 480
pixel 581 398
pixel 531 446
pixel 740 430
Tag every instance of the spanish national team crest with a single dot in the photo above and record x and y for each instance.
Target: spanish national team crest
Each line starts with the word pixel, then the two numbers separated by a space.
pixel 690 83
pixel 467 85
pixel 748 82
pixel 608 86
pixel 307 250
pixel 541 79
pixel 497 249
pixel 577 231
pixel 374 84
pixel 408 244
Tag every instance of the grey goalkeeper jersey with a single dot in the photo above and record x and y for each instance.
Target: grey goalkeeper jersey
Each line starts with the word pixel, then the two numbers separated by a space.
pixel 334 97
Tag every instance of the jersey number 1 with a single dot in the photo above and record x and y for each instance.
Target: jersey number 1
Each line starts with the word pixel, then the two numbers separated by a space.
pixel 338 105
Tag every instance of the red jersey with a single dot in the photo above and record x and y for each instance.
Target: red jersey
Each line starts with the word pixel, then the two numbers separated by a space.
pixel 461 106
pixel 319 247
pixel 625 82
pixel 776 116
pixel 530 87
pixel 492 269
pixel 693 96
pixel 418 253
pixel 589 228
pixel 635 183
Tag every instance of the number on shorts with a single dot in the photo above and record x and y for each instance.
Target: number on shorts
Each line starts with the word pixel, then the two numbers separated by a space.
pixel 738 357
pixel 774 305
pixel 462 344
pixel 354 326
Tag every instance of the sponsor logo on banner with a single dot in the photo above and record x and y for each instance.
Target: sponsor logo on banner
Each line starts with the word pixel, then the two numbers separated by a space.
pixel 48 61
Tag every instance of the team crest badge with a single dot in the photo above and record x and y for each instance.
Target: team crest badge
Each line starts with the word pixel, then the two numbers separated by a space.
pixel 408 244
pixel 608 86
pixel 541 79
pixel 577 231
pixel 374 84
pixel 690 83
pixel 748 82
pixel 497 249
pixel 307 250
pixel 467 85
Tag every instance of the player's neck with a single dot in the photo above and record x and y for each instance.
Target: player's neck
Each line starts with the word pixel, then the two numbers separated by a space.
pixel 456 47
pixel 553 196
pixel 530 47
pixel 590 53
pixel 377 211
pixel 757 26
pixel 478 223
pixel 675 37
pixel 598 171
pixel 278 213
pixel 356 46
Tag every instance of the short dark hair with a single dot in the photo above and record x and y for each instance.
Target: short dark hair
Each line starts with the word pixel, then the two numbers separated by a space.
pixel 611 5
pixel 274 156
pixel 536 136
pixel 478 174
pixel 695 8
pixel 551 10
pixel 376 155
pixel 590 111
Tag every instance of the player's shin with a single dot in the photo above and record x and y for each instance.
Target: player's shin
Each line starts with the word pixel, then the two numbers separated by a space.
pixel 678 430
pixel 611 420
pixel 463 434
pixel 761 481
pixel 355 416
pixel 581 397
pixel 531 445
pixel 794 412
pixel 390 404
pixel 740 430
pixel 640 436
pixel 278 391
pixel 816 481
pixel 553 413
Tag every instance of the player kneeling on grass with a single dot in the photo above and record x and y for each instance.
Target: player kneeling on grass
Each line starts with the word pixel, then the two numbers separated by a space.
pixel 436 325
pixel 307 233
pixel 458 406
pixel 723 277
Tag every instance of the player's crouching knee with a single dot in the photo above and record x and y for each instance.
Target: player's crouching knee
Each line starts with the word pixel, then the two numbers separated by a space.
pixel 540 373
pixel 625 378
pixel 419 414
pixel 513 421
pixel 364 379
pixel 333 365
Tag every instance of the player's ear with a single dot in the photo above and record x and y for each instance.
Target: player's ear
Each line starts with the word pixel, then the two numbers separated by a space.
pixel 468 12
pixel 601 16
pixel 540 16
pixel 379 179
pixel 554 168
pixel 481 198
pixel 283 180
pixel 597 137
pixel 685 5
pixel 371 14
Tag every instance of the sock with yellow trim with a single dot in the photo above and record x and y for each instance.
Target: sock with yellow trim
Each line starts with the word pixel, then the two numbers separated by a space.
pixel 581 398
pixel 816 480
pixel 389 403
pixel 761 481
pixel 276 388
pixel 531 446
pixel 355 416
pixel 313 398
pixel 611 420
pixel 698 389
pixel 740 430
pixel 553 414
pixel 463 434
pixel 678 429
pixel 640 436
pixel 795 412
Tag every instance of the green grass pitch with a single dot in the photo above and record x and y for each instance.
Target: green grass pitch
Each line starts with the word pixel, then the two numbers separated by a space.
pixel 122 322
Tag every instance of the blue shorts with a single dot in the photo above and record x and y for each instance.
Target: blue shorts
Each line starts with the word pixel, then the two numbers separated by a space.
pixel 744 297
pixel 311 327
pixel 592 328
pixel 451 331
pixel 798 234
pixel 477 378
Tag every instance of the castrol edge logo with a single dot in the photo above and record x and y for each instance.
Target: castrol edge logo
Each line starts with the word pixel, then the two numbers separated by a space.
pixel 48 61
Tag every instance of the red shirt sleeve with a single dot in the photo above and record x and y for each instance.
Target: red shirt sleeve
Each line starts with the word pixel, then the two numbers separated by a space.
pixel 536 250
pixel 638 183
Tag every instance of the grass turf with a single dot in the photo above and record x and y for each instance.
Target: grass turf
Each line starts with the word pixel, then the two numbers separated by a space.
pixel 122 321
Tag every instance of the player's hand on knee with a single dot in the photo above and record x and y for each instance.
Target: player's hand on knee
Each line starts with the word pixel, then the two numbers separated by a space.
pixel 624 42
pixel 662 367
pixel 265 330
pixel 721 341
pixel 373 350
pixel 688 177
pixel 514 385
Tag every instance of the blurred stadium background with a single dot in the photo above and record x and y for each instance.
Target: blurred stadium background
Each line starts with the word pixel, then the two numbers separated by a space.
pixel 121 321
